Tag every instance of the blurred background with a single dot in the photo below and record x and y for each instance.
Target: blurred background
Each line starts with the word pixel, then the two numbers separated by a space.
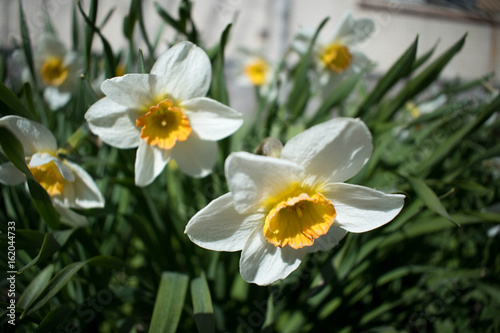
pixel 269 26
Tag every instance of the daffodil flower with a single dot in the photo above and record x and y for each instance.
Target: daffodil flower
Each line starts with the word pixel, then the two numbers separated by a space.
pixel 57 69
pixel 280 209
pixel 68 185
pixel 338 57
pixel 165 115
pixel 254 69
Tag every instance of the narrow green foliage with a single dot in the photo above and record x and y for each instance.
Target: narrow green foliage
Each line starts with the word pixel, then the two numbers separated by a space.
pixel 429 198
pixel 334 99
pixel 169 302
pixel 401 68
pixel 35 287
pixel 13 103
pixel 25 35
pixel 202 305
pixel 219 85
pixel 109 59
pixel 422 80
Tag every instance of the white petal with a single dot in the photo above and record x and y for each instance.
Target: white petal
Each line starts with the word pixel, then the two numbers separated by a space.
pixel 302 40
pixel 69 217
pixel 48 46
pixel 113 123
pixel 345 26
pixel 335 150
pixel 195 157
pixel 33 136
pixel 359 62
pixel 252 179
pixel 360 208
pixel 55 98
pixel 356 31
pixel 134 91
pixel 87 194
pixel 263 263
pixel 210 119
pixel 184 72
pixel 329 240
pixel 44 158
pixel 219 227
pixel 10 175
pixel 149 163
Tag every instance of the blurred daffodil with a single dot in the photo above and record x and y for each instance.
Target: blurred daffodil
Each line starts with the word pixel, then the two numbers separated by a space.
pixel 57 69
pixel 280 209
pixel 337 57
pixel 165 115
pixel 68 185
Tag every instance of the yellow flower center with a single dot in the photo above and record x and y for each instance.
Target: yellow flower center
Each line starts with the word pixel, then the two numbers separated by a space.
pixel 414 111
pixel 336 57
pixel 257 71
pixel 49 176
pixel 298 219
pixel 54 72
pixel 163 125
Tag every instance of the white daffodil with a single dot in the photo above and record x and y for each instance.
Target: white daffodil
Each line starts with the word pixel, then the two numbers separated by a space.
pixel 165 115
pixel 337 58
pixel 280 209
pixel 254 69
pixel 68 185
pixel 57 69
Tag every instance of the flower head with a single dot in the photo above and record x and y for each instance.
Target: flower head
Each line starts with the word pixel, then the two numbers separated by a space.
pixel 57 69
pixel 165 115
pixel 337 58
pixel 280 209
pixel 68 185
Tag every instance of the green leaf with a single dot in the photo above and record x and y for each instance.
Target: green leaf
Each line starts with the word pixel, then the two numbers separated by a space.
pixel 64 276
pixel 109 59
pixel 401 68
pixel 456 137
pixel 337 96
pixel 14 151
pixel 89 32
pixel 54 319
pixel 49 247
pixel 169 302
pixel 138 8
pixel 140 63
pixel 108 262
pixel 422 59
pixel 170 20
pixel 35 287
pixel 54 286
pixel 429 198
pixel 75 30
pixel 421 81
pixel 202 305
pixel 25 35
pixel 219 85
pixel 13 103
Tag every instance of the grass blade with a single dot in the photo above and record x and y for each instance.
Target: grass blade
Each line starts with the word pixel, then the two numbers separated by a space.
pixel 169 302
pixel 202 305
pixel 429 198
